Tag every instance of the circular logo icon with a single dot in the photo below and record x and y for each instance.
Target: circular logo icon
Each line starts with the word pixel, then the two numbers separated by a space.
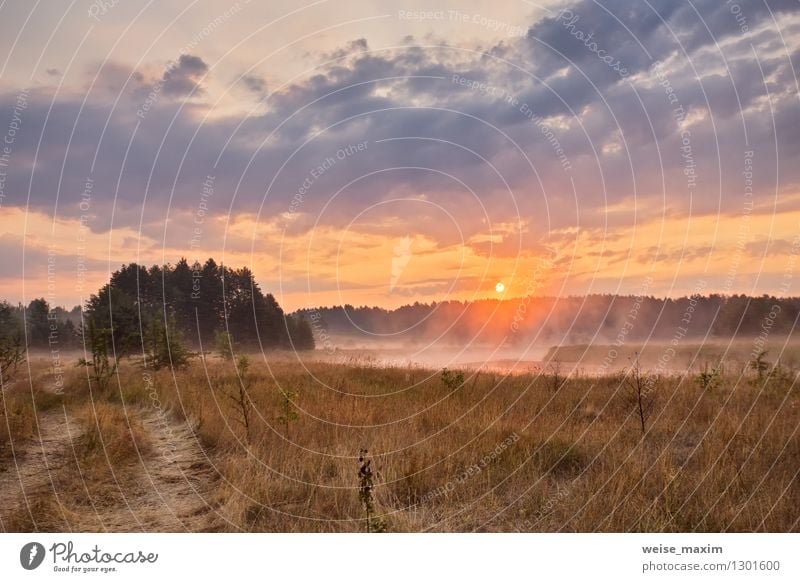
pixel 31 555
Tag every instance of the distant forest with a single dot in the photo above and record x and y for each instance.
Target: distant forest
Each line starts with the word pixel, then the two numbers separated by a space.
pixel 199 301
pixel 568 320
pixel 194 303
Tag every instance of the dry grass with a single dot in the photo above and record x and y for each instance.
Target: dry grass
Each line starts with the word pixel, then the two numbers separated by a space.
pixel 500 453
pixel 111 437
pixel 19 405
pixel 717 461
pixel 18 420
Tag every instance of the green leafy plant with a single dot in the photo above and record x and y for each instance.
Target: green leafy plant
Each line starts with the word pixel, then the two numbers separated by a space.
pixel 288 413
pixel 164 345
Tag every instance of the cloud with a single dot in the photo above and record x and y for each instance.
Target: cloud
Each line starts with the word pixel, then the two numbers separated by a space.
pixel 183 78
pixel 255 84
pixel 491 151
pixel 24 258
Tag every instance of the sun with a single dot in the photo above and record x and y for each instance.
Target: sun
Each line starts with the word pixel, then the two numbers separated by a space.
pixel 500 287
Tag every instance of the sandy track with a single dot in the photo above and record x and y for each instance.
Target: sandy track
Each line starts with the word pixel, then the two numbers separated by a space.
pixel 169 488
pixel 35 464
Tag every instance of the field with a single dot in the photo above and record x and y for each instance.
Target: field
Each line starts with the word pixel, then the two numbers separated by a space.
pixel 735 355
pixel 275 445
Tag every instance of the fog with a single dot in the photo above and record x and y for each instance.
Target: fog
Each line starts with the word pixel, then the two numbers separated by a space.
pixel 593 334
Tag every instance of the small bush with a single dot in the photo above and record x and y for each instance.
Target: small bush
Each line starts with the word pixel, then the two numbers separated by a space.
pixel 709 380
pixel 452 380
pixel 102 367
pixel 165 345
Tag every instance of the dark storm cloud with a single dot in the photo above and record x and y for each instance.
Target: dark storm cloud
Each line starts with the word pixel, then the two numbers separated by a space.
pixel 617 133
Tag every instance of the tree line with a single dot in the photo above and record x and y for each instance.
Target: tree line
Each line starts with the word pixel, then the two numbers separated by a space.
pixel 568 320
pixel 163 307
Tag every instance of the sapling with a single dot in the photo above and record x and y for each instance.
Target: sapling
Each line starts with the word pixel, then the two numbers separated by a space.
pixel 640 391
pixel 241 395
pixel 166 344
pixel 288 412
pixel 102 367
pixel 555 374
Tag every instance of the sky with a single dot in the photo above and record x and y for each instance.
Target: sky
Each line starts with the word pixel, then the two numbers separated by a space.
pixel 382 153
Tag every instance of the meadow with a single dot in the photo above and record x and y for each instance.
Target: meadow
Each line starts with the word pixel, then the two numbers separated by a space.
pixel 297 445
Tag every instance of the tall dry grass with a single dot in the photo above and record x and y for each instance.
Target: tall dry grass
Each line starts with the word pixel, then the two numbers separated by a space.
pixel 69 450
pixel 499 453
pixel 720 460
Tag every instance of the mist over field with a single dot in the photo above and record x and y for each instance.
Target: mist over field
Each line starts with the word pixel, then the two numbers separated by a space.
pixel 378 266
pixel 519 333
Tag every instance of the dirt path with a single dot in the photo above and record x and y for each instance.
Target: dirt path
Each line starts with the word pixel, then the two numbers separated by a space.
pixel 170 488
pixel 35 464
